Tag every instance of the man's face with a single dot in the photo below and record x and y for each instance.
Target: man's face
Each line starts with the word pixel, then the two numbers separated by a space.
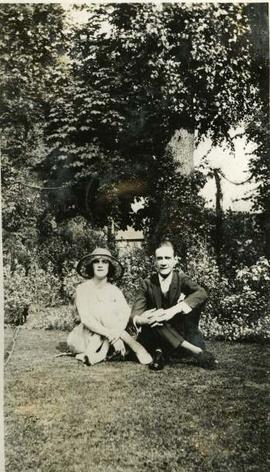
pixel 165 260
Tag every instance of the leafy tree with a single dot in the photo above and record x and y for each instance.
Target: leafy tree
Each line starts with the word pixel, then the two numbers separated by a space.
pixel 139 72
pixel 178 211
pixel 31 42
pixel 258 129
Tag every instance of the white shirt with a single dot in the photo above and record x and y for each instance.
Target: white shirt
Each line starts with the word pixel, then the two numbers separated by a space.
pixel 165 282
pixel 164 287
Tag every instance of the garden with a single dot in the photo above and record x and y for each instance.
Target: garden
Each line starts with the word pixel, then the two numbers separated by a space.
pixel 91 99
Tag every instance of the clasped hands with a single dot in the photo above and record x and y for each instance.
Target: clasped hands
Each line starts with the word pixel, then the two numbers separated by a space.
pixel 155 317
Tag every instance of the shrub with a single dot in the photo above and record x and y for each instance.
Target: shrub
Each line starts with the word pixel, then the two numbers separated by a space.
pixel 201 266
pixel 238 330
pixel 251 297
pixel 237 310
pixel 22 288
pixel 17 297
pixel 62 317
pixel 244 313
pixel 256 276
pixel 242 241
pixel 137 267
pixel 70 281
pixel 64 243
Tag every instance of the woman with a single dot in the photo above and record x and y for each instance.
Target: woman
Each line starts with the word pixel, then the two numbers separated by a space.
pixel 103 311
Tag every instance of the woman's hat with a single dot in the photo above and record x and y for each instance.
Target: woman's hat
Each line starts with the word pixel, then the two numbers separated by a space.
pixel 82 267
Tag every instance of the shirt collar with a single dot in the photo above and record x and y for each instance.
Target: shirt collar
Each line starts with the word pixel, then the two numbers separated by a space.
pixel 165 283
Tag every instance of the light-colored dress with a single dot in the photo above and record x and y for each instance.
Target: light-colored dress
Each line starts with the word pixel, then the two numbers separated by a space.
pixel 108 306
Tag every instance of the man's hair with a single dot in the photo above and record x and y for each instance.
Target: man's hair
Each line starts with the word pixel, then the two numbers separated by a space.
pixel 165 243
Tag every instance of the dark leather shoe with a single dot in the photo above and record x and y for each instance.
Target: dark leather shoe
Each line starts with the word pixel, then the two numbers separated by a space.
pixel 206 360
pixel 158 361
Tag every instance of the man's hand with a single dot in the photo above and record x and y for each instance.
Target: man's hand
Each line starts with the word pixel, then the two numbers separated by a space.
pixel 162 316
pixel 150 317
pixel 166 315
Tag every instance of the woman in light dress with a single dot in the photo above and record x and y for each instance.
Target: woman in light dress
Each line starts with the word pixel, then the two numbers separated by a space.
pixel 103 311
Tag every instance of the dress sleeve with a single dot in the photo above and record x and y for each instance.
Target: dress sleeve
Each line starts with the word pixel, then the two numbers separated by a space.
pixel 81 303
pixel 122 306
pixel 140 304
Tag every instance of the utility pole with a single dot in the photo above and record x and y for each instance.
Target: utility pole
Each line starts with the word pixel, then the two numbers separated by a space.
pixel 219 216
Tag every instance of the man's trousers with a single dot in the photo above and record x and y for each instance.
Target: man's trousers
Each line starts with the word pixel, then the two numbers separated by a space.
pixel 171 335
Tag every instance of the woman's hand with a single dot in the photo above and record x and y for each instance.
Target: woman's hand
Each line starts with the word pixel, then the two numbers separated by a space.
pixel 119 346
pixel 113 336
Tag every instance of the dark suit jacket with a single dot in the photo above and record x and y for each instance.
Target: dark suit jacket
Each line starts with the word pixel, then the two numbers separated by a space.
pixel 149 295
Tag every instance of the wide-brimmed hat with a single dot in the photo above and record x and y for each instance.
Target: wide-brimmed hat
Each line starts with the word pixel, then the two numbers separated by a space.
pixel 82 267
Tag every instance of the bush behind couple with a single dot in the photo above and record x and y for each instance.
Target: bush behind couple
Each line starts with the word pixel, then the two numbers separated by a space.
pixel 166 313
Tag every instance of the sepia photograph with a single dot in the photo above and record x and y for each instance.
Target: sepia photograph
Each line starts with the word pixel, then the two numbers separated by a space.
pixel 135 223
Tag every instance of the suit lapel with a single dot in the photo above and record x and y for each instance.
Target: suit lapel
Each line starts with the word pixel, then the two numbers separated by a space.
pixel 174 290
pixel 156 291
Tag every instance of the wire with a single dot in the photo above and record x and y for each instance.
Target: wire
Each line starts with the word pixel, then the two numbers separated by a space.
pixel 231 181
pixel 36 187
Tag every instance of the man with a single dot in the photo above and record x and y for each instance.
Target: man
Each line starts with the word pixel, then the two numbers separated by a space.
pixel 167 310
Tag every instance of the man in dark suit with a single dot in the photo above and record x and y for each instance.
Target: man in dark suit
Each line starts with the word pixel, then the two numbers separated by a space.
pixel 167 310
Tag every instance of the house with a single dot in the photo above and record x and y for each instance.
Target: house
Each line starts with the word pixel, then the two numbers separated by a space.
pixel 128 240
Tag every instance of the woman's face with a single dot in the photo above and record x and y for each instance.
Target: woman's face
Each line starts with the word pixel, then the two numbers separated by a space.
pixel 100 268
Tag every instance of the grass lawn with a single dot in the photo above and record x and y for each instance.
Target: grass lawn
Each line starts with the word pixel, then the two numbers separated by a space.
pixel 121 417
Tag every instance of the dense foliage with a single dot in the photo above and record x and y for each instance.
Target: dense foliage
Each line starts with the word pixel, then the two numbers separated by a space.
pixel 258 129
pixel 31 42
pixel 87 112
pixel 176 208
pixel 138 73
pixel 241 312
pixel 22 289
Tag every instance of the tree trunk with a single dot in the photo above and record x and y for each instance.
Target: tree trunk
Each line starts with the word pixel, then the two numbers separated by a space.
pixel 181 146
